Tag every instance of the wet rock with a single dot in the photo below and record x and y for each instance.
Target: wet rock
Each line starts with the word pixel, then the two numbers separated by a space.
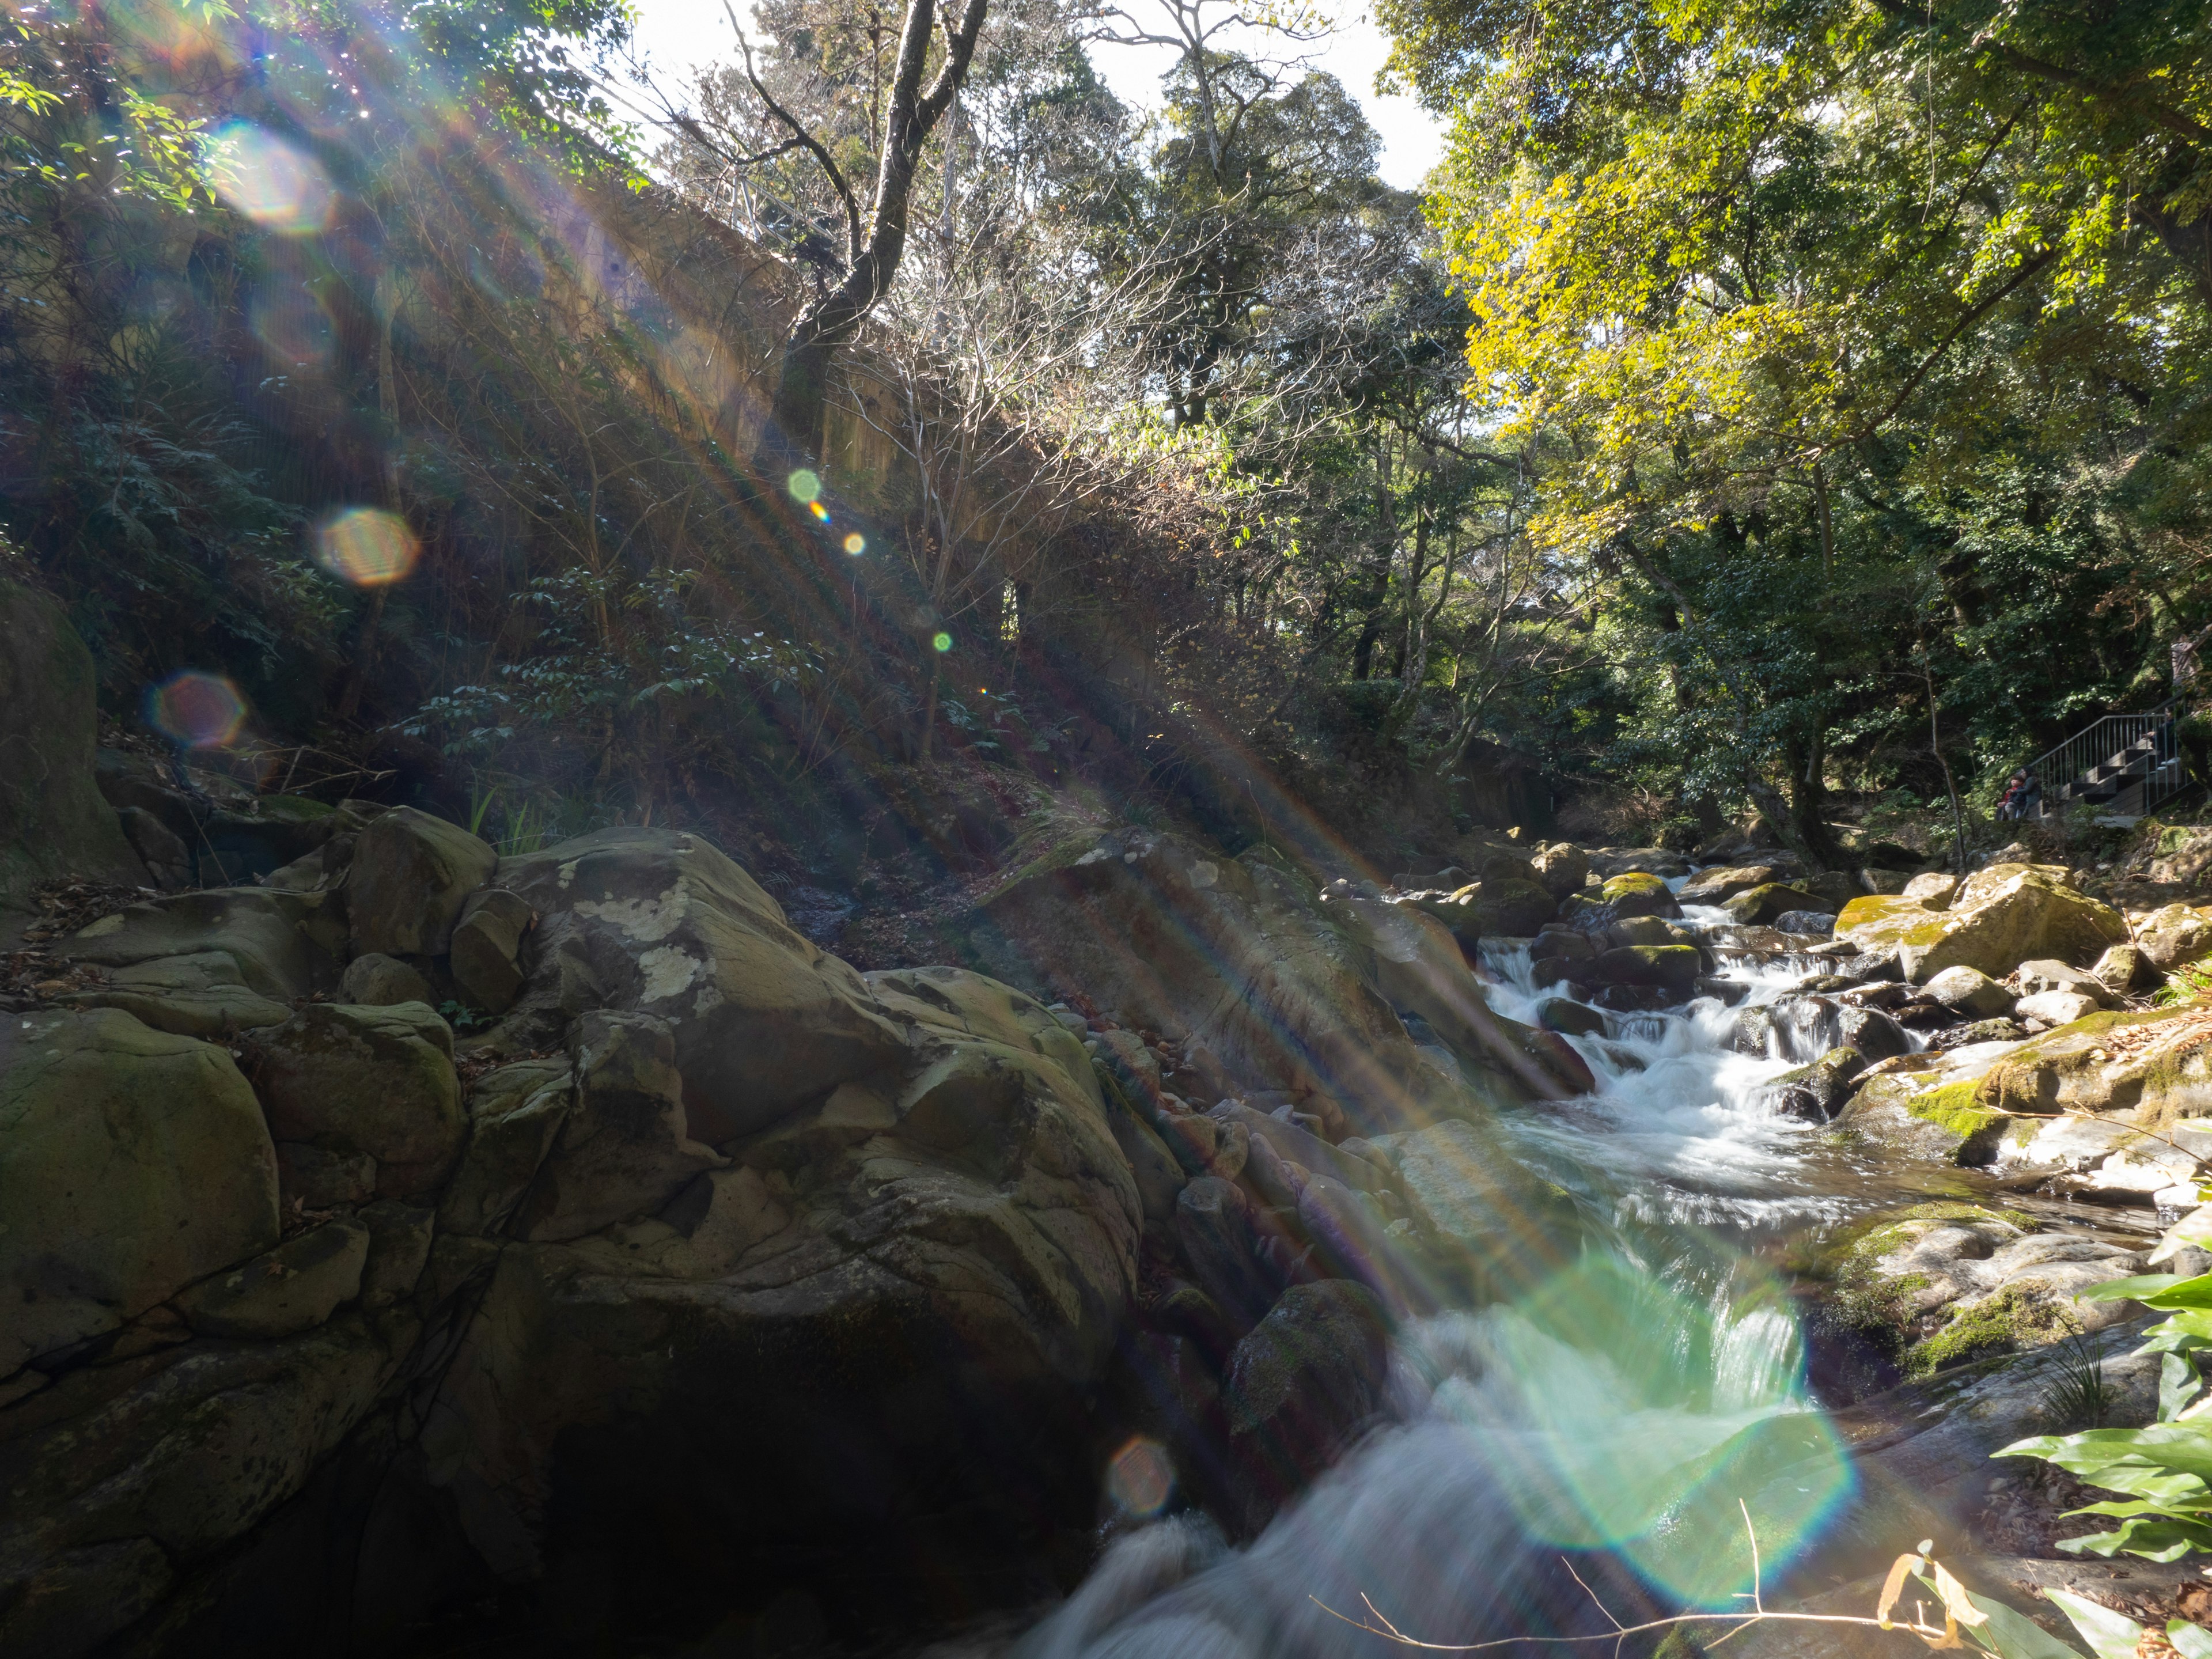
pixel 375 981
pixel 1806 924
pixel 1881 993
pixel 1816 1092
pixel 662 924
pixel 1871 1031
pixel 2174 936
pixel 624 1147
pixel 1671 968
pixel 132 1162
pixel 1719 885
pixel 1639 893
pixel 1935 1115
pixel 53 820
pixel 288 1289
pixel 1932 891
pixel 1569 1018
pixel 1647 930
pixel 1727 992
pixel 487 949
pixel 411 875
pixel 1764 906
pixel 201 995
pixel 1970 993
pixel 1558 949
pixel 1306 1378
pixel 374 1082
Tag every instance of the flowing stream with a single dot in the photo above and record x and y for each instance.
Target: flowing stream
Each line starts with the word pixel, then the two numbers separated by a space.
pixel 1615 1413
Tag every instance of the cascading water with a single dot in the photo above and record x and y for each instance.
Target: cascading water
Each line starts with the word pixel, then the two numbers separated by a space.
pixel 1618 1411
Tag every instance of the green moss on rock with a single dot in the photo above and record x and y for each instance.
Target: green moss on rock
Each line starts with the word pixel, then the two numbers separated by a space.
pixel 2011 1319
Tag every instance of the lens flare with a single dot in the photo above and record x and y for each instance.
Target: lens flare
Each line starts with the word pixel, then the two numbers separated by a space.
pixel 366 547
pixel 292 323
pixel 818 511
pixel 1141 1478
pixel 856 544
pixel 942 641
pixel 200 711
pixel 805 485
pixel 273 183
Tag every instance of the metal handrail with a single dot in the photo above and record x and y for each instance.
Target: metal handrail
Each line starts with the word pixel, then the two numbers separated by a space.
pixel 2135 753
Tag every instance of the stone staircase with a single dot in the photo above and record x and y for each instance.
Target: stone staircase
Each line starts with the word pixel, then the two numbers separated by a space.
pixel 2125 765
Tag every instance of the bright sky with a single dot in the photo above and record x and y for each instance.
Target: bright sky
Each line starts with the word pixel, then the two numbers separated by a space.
pixel 677 36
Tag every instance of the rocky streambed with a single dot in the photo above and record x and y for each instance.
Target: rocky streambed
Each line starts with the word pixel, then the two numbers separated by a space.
pixel 410 1247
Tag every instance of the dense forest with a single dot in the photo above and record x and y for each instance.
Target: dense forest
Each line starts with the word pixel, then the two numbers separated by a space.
pixel 1794 410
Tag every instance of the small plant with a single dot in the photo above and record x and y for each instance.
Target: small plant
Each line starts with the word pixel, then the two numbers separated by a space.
pixel 2165 1469
pixel 2079 1393
pixel 461 1019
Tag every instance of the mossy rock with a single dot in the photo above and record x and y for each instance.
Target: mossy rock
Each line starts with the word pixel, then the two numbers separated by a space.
pixel 1639 893
pixel 2005 1321
pixel 1947 1123
pixel 1759 907
pixel 2101 1063
pixel 1671 967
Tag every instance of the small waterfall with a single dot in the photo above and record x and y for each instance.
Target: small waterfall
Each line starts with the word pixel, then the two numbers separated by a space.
pixel 1615 1416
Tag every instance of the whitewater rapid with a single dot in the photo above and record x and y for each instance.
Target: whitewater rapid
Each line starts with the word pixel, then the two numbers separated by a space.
pixel 1614 1417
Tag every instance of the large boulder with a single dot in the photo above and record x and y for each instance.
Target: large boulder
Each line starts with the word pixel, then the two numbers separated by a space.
pixel 1998 918
pixel 654 922
pixel 367 1083
pixel 53 820
pixel 412 874
pixel 132 1162
pixel 1500 907
pixel 887 1311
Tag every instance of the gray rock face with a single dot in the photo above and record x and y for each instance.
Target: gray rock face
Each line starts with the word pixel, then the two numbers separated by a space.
pixel 2174 936
pixel 1817 1092
pixel 411 875
pixel 53 819
pixel 367 1082
pixel 656 923
pixel 132 1162
pixel 2045 974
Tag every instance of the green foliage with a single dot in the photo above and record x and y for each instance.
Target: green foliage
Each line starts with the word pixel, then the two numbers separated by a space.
pixel 2165 1469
